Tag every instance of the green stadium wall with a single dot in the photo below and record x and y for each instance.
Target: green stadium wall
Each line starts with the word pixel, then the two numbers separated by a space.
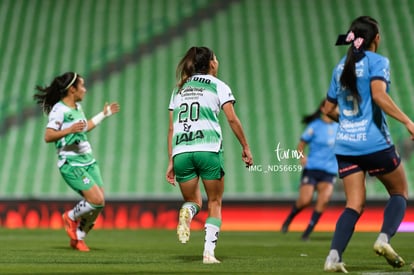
pixel 277 56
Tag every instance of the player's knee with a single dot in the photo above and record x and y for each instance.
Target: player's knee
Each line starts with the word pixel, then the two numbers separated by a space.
pixel 97 201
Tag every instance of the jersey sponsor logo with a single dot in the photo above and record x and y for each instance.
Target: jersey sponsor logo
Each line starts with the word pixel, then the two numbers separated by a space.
pixel 57 123
pixel 190 136
pixel 187 127
pixel 201 79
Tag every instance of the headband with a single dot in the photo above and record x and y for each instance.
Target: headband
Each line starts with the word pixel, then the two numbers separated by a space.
pixel 75 75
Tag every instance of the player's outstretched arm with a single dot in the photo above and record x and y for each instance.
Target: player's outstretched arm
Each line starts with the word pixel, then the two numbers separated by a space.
pixel 108 110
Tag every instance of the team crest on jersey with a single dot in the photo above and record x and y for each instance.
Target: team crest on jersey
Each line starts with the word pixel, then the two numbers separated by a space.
pixel 86 180
pixel 58 123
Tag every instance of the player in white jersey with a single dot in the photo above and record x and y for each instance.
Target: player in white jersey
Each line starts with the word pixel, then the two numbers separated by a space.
pixel 195 142
pixel 67 128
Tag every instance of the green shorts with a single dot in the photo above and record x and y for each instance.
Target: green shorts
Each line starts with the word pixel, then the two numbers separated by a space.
pixel 81 178
pixel 207 165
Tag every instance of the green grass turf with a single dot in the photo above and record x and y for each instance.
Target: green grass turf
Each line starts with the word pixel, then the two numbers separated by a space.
pixel 158 252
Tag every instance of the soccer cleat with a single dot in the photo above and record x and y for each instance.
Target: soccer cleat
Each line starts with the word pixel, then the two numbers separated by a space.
pixel 81 246
pixel 70 226
pixel 285 227
pixel 412 267
pixel 332 266
pixel 305 238
pixel 209 259
pixel 183 228
pixel 73 243
pixel 384 249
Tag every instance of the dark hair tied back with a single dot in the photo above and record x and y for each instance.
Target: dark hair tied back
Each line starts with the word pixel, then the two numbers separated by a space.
pixel 48 96
pixel 316 114
pixel 360 35
pixel 202 58
pixel 195 61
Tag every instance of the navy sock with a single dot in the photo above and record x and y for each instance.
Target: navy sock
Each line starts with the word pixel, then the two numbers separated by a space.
pixel 345 227
pixel 293 212
pixel 393 214
pixel 314 220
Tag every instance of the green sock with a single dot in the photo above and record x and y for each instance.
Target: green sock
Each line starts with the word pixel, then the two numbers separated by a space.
pixel 194 208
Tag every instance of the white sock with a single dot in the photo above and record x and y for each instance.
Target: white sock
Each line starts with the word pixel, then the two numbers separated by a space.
pixel 383 237
pixel 333 255
pixel 210 242
pixel 80 234
pixel 194 208
pixel 87 220
pixel 80 209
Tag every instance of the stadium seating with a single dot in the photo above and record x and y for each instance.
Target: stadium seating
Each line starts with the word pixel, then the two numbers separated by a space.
pixel 277 56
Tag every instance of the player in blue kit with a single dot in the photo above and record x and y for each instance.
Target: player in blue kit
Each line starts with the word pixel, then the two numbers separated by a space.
pixel 359 87
pixel 320 168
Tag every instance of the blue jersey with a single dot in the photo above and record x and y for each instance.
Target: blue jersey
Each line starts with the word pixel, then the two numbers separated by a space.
pixel 320 137
pixel 362 125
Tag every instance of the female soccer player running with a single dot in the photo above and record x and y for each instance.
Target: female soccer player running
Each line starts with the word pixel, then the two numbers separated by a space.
pixel 359 86
pixel 67 128
pixel 319 168
pixel 195 142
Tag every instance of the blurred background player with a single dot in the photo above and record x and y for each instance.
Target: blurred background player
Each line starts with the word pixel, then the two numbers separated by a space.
pixel 320 168
pixel 195 142
pixel 359 87
pixel 67 128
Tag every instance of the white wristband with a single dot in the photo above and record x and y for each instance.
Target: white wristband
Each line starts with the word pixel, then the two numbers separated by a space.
pixel 108 111
pixel 98 118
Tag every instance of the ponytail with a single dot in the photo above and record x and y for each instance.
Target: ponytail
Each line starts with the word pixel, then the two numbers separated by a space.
pixel 48 96
pixel 311 117
pixel 362 32
pixel 196 60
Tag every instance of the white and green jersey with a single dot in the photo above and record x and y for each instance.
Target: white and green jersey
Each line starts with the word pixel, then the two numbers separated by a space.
pixel 195 114
pixel 73 148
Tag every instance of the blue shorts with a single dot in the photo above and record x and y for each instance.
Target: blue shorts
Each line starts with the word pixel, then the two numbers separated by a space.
pixel 313 177
pixel 377 163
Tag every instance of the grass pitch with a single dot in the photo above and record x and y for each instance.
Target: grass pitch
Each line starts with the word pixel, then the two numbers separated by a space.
pixel 159 252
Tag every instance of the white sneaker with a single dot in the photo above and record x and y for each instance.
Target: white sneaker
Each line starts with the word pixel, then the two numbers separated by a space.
pixel 209 259
pixel 384 249
pixel 332 266
pixel 183 228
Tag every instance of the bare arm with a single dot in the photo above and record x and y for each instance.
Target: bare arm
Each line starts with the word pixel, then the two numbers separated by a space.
pixel 237 128
pixel 330 110
pixel 301 148
pixel 170 134
pixel 108 110
pixel 52 135
pixel 170 175
pixel 384 101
